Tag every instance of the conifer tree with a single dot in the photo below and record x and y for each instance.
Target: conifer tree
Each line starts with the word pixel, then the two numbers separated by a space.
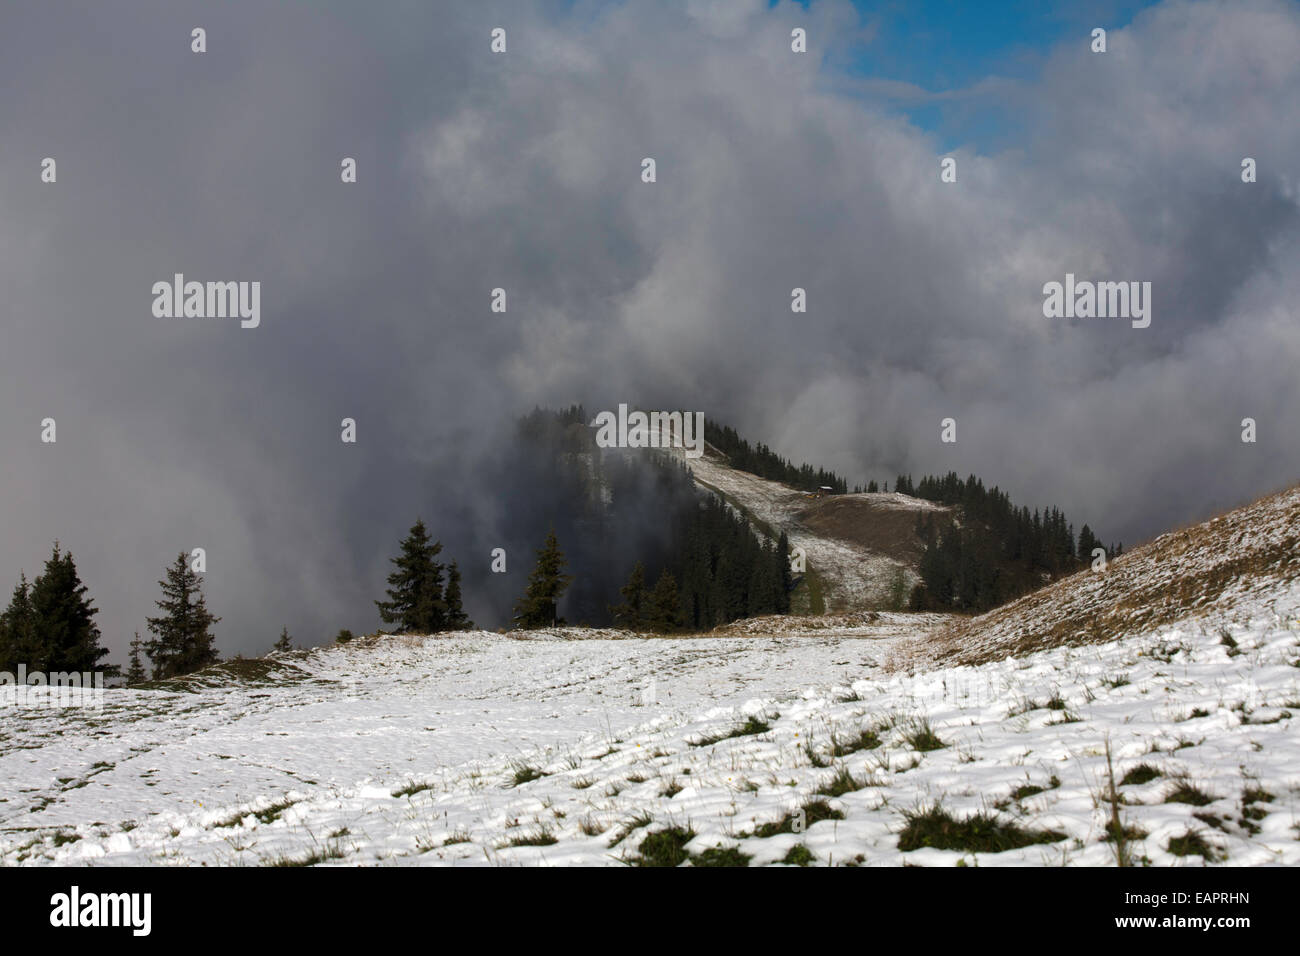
pixel 183 640
pixel 65 618
pixel 284 643
pixel 785 579
pixel 135 673
pixel 664 611
pixel 546 585
pixel 457 619
pixel 1087 541
pixel 19 643
pixel 416 603
pixel 632 612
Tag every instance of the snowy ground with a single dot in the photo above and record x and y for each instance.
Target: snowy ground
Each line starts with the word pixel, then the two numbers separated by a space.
pixel 485 749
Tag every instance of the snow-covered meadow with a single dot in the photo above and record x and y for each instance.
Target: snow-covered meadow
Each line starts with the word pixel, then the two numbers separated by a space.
pixel 579 747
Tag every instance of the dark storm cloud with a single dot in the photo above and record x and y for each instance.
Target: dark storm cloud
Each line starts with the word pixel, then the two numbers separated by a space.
pixel 522 171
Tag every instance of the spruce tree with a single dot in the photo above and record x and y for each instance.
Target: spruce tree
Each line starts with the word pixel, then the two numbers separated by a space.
pixel 416 603
pixel 284 643
pixel 1087 541
pixel 19 643
pixel 631 614
pixel 457 619
pixel 664 611
pixel 65 618
pixel 546 584
pixel 183 640
pixel 135 673
pixel 785 578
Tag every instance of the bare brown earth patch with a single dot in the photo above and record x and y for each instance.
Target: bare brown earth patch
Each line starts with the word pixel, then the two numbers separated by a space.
pixel 883 523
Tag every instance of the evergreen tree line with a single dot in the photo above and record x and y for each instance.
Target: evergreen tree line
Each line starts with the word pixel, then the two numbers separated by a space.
pixel 49 625
pixel 762 461
pixel 419 602
pixel 998 551
pixel 721 571
pixel 701 564
pixel 608 508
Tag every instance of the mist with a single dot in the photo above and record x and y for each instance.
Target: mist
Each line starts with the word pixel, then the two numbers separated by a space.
pixel 522 171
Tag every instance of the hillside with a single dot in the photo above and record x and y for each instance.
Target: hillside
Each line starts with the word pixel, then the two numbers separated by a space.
pixel 606 748
pixel 861 550
pixel 1171 678
pixel 1223 566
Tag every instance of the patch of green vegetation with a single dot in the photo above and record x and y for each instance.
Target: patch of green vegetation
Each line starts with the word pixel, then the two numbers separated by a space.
pixel 670 789
pixel 865 740
pixel 230 821
pixel 1142 773
pixel 750 727
pixel 1185 791
pixel 539 837
pixel 1032 789
pixel 1192 843
pixel 1250 813
pixel 923 738
pixel 665 847
pixel 720 856
pixel 319 855
pixel 798 855
pixel 412 788
pixel 1067 717
pixel 273 812
pixel 64 837
pixel 636 823
pixel 814 758
pixel 982 833
pixel 525 774
pixel 843 782
pixel 812 812
pixel 1256 794
pixel 1130 832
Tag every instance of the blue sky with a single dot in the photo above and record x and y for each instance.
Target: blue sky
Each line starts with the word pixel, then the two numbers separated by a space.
pixel 945 45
